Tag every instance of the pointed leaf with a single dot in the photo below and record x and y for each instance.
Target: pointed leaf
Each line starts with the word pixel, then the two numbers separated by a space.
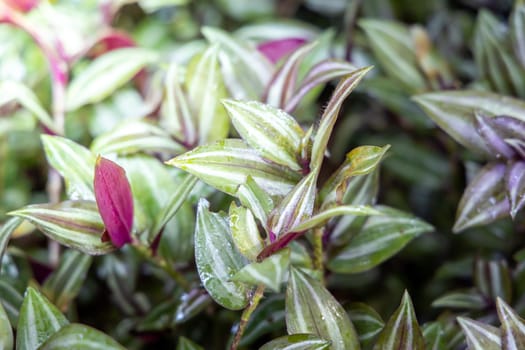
pixel 515 185
pixel 252 196
pixel 114 200
pixel 6 331
pixel 39 319
pixel 402 329
pixel 5 233
pixel 81 337
pixel 453 111
pixel 321 218
pixel 106 74
pixel 205 90
pixel 310 308
pixel 469 300
pixel 296 207
pixel 244 231
pixel 218 260
pixel 247 72
pixel 74 162
pixel 434 334
pixel 269 272
pixel 15 91
pixel 297 342
pixel 484 199
pixel 133 137
pixel 226 164
pixel 368 323
pixel 512 327
pixel 341 92
pixel 64 284
pixel 271 131
pixel 494 141
pixel 186 344
pixel 480 336
pixel 76 224
pixel 381 238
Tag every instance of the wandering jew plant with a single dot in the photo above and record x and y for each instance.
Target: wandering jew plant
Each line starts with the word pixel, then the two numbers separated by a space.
pixel 224 174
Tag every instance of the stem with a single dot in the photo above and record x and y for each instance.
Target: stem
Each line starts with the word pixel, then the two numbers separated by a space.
pixel 318 250
pixel 246 314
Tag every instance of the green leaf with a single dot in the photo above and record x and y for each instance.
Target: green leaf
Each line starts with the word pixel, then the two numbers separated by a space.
pixel 81 337
pixel 205 91
pixel 39 319
pixel 252 196
pixel 245 232
pixel 493 279
pixel 75 163
pixel 480 336
pixel 6 231
pixel 269 272
pixel 133 137
pixel 11 299
pixel 271 131
pixel 75 224
pixel 512 327
pixel 218 260
pixel 64 284
pixel 177 241
pixel 247 72
pixel 367 322
pixel 341 92
pixel 381 238
pixel 453 111
pixel 15 91
pixel 297 342
pixel 106 74
pixel 517 32
pixel 191 304
pixel 297 206
pixel 227 164
pixel 394 48
pixel 434 334
pixel 310 308
pixel 484 199
pixel 186 344
pixel 470 300
pixel 402 329
pixel 6 331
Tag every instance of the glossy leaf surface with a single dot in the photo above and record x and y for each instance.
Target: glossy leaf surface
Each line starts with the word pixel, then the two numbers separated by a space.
pixel 81 337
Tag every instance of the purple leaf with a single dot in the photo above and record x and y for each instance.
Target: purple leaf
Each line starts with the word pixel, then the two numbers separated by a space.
pixel 274 50
pixel 515 183
pixel 114 200
pixel 509 127
pixel 490 135
pixel 518 146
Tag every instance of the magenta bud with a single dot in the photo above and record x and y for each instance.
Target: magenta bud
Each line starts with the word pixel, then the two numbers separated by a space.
pixel 274 50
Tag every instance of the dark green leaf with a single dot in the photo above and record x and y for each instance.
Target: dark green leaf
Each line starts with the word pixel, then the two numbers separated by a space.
pixel 81 337
pixel 493 279
pixel 512 327
pixel 368 323
pixel 186 344
pixel 6 331
pixel 12 299
pixel 470 300
pixel 297 342
pixel 480 336
pixel 434 336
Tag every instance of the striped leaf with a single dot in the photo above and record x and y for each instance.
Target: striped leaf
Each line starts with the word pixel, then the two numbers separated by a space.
pixel 245 232
pixel 205 90
pixel 329 117
pixel 246 71
pixel 395 50
pixel 252 196
pixel 515 186
pixel 106 74
pixel 75 224
pixel 367 322
pixel 296 207
pixel 493 279
pixel 381 238
pixel 512 327
pixel 191 304
pixel 271 131
pixel 6 331
pixel 64 284
pixel 484 199
pixel 434 334
pixel 310 308
pixel 480 336
pixel 218 260
pixel 270 272
pixel 402 330
pixel 80 337
pixel 186 344
pixel 39 319
pixel 74 162
pixel 297 342
pixel 227 164
pixel 11 90
pixel 517 32
pixel 11 299
pixel 176 114
pixel 453 111
pixel 134 137
pixel 469 300
pixel 6 231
